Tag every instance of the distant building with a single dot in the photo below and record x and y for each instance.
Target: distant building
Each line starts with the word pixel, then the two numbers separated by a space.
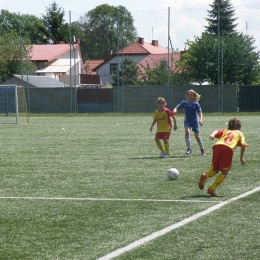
pixel 142 53
pixel 34 82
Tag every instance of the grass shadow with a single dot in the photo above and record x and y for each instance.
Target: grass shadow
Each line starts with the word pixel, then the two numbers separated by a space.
pixel 144 158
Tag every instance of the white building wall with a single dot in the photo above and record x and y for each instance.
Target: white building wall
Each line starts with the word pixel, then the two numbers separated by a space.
pixel 104 70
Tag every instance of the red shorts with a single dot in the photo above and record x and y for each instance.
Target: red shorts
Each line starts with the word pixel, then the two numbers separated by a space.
pixel 163 135
pixel 222 158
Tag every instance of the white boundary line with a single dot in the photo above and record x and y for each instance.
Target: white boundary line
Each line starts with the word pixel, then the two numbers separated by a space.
pixel 185 221
pixel 106 199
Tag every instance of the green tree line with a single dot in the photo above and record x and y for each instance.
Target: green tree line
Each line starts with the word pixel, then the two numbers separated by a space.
pixel 219 55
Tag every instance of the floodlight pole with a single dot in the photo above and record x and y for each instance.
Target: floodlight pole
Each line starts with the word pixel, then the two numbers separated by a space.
pixel 70 65
pixel 118 59
pixel 16 107
pixel 168 48
pixel 218 57
pixel 21 54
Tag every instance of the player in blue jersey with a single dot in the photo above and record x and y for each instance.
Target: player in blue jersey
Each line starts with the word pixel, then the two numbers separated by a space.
pixel 193 118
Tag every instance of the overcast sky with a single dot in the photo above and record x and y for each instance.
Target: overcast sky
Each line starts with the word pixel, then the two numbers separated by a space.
pixel 187 17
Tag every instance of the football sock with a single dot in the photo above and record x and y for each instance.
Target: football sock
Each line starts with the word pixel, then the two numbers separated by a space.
pixel 187 140
pixel 200 144
pixel 210 173
pixel 167 148
pixel 218 181
pixel 159 145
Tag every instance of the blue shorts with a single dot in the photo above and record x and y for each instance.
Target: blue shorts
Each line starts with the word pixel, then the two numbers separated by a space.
pixel 194 125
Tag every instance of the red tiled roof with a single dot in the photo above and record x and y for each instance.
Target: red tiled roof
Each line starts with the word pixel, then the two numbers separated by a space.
pixel 134 48
pixel 90 65
pixel 153 60
pixel 145 48
pixel 138 48
pixel 49 52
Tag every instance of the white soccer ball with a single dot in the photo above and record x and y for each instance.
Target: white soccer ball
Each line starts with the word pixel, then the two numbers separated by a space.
pixel 173 174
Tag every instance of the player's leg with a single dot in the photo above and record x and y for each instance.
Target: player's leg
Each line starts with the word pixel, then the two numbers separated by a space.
pixel 166 137
pixel 187 137
pixel 205 175
pixel 216 156
pixel 223 156
pixel 159 144
pixel 220 178
pixel 196 129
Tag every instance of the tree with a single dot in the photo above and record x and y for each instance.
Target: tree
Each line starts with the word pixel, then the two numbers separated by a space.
pixel 102 28
pixel 229 59
pixel 240 60
pixel 226 22
pixel 159 75
pixel 29 25
pixel 54 26
pixel 10 56
pixel 128 75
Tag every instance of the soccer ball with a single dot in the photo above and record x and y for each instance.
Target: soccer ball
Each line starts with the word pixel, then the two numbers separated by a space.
pixel 173 174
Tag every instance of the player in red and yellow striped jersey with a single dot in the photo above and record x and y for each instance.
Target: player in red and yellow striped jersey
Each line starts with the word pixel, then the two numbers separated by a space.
pixel 223 151
pixel 162 117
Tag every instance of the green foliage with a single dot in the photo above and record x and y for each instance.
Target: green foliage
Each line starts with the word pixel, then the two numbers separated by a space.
pixel 237 51
pixel 159 75
pixel 101 28
pixel 224 17
pixel 87 190
pixel 29 26
pixel 228 58
pixel 54 26
pixel 240 59
pixel 11 61
pixel 128 75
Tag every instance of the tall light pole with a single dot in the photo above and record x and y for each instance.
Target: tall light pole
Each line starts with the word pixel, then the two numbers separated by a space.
pixel 218 56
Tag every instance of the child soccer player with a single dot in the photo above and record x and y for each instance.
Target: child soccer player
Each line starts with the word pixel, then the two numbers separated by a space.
pixel 223 151
pixel 162 116
pixel 191 109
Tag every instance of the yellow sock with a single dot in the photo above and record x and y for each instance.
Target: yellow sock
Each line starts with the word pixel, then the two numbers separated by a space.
pixel 210 173
pixel 218 181
pixel 159 145
pixel 167 148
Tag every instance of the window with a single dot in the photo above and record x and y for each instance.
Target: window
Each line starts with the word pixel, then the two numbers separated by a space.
pixel 113 68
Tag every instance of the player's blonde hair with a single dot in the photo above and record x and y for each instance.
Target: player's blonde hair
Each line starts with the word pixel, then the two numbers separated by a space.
pixel 234 124
pixel 162 100
pixel 196 95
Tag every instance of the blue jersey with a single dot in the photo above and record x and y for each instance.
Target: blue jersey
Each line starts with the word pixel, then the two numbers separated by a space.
pixel 190 109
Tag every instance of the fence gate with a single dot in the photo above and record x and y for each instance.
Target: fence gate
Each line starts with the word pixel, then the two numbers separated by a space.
pixel 95 100
pixel 249 98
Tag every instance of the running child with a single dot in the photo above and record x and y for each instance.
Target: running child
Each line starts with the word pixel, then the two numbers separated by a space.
pixel 193 119
pixel 223 151
pixel 162 116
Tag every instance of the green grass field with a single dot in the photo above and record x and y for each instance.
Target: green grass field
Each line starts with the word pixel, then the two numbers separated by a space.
pixel 97 185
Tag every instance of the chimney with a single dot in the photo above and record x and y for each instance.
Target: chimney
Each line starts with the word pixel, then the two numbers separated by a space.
pixel 155 43
pixel 141 40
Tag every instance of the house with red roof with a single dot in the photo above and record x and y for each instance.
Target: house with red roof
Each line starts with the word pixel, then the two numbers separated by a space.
pixel 62 62
pixel 142 53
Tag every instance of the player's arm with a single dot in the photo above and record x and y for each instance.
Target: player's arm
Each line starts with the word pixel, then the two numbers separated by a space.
pixel 153 123
pixel 200 118
pixel 175 110
pixel 174 123
pixel 242 151
pixel 212 135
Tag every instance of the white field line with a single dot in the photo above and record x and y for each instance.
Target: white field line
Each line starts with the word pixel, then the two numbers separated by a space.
pixel 105 199
pixel 185 221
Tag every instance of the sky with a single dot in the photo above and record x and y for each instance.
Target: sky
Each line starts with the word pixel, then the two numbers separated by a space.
pixel 154 19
